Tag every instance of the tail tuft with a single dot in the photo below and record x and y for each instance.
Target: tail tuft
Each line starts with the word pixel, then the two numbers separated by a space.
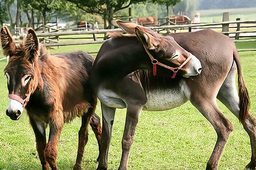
pixel 244 100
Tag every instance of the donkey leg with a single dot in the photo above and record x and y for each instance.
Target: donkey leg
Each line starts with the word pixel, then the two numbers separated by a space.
pixel 56 124
pixel 250 127
pixel 97 129
pixel 221 125
pixel 82 138
pixel 232 103
pixel 228 95
pixel 129 131
pixel 39 130
pixel 108 115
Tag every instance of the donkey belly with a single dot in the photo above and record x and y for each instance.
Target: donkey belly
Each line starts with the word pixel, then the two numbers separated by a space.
pixel 164 99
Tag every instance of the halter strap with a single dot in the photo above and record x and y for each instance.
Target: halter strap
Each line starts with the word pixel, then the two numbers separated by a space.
pixel 155 62
pixel 18 99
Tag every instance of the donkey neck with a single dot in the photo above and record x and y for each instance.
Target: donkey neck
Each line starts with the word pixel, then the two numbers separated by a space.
pixel 125 54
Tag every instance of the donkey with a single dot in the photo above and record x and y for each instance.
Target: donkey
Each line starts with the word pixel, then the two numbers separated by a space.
pixel 53 89
pixel 123 77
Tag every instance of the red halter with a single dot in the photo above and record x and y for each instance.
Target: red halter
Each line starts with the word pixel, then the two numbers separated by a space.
pixel 18 99
pixel 155 62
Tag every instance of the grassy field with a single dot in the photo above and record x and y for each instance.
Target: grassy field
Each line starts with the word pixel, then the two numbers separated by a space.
pixel 176 139
pixel 215 15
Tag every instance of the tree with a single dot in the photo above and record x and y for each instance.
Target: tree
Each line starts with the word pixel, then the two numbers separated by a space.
pixel 186 6
pixel 8 4
pixel 44 6
pixel 105 8
pixel 3 14
pixel 167 4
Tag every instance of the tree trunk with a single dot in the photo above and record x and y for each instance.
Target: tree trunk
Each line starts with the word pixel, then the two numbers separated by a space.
pixel 32 19
pixel 44 20
pixel 110 18
pixel 21 23
pixel 9 14
pixel 38 19
pixel 105 20
pixel 18 14
pixel 167 14
pixel 28 17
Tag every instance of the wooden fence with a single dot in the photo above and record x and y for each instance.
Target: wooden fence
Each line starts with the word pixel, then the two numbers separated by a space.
pixel 237 30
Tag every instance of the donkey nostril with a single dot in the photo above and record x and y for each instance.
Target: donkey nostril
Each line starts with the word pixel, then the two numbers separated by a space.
pixel 7 113
pixel 199 70
pixel 18 113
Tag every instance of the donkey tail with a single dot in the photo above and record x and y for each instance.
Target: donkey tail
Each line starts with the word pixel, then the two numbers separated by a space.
pixel 244 101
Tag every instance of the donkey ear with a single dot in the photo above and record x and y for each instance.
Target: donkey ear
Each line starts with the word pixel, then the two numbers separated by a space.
pixel 31 45
pixel 148 37
pixel 7 41
pixel 128 27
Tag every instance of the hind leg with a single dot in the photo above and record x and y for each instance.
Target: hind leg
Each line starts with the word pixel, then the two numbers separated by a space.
pixel 83 137
pixel 221 125
pixel 228 95
pixel 250 127
pixel 96 127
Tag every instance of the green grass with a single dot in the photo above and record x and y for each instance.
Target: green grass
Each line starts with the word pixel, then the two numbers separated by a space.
pixel 215 15
pixel 88 48
pixel 180 138
pixel 246 45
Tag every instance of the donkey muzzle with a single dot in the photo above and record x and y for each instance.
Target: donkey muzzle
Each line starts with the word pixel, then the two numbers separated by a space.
pixel 14 110
pixel 13 115
pixel 195 67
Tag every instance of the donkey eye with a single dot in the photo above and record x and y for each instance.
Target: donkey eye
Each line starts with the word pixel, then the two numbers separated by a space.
pixel 7 77
pixel 25 80
pixel 175 55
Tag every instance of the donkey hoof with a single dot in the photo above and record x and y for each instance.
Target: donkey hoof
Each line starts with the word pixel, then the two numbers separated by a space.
pixel 251 166
pixel 101 168
pixel 77 167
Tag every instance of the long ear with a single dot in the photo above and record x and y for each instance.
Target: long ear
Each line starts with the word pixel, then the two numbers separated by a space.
pixel 31 45
pixel 128 27
pixel 148 37
pixel 7 41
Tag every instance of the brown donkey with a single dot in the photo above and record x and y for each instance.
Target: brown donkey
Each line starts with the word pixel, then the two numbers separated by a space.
pixel 53 89
pixel 123 77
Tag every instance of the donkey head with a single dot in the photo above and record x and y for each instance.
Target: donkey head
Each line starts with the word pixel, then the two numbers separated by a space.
pixel 21 71
pixel 164 49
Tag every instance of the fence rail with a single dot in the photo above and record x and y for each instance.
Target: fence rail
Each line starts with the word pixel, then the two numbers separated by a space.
pixel 239 30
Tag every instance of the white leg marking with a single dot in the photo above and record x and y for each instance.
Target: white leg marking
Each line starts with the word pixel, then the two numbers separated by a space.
pixel 40 127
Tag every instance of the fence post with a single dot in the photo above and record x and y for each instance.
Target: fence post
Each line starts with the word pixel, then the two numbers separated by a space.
pixel 130 14
pixel 189 29
pixel 237 29
pixel 225 27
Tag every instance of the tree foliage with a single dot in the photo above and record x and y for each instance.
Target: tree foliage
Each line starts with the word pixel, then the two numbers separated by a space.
pixel 168 4
pixel 105 8
pixel 3 14
pixel 43 6
pixel 186 7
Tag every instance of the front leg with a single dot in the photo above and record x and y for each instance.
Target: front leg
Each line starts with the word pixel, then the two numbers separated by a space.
pixel 39 130
pixel 108 116
pixel 56 124
pixel 129 131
